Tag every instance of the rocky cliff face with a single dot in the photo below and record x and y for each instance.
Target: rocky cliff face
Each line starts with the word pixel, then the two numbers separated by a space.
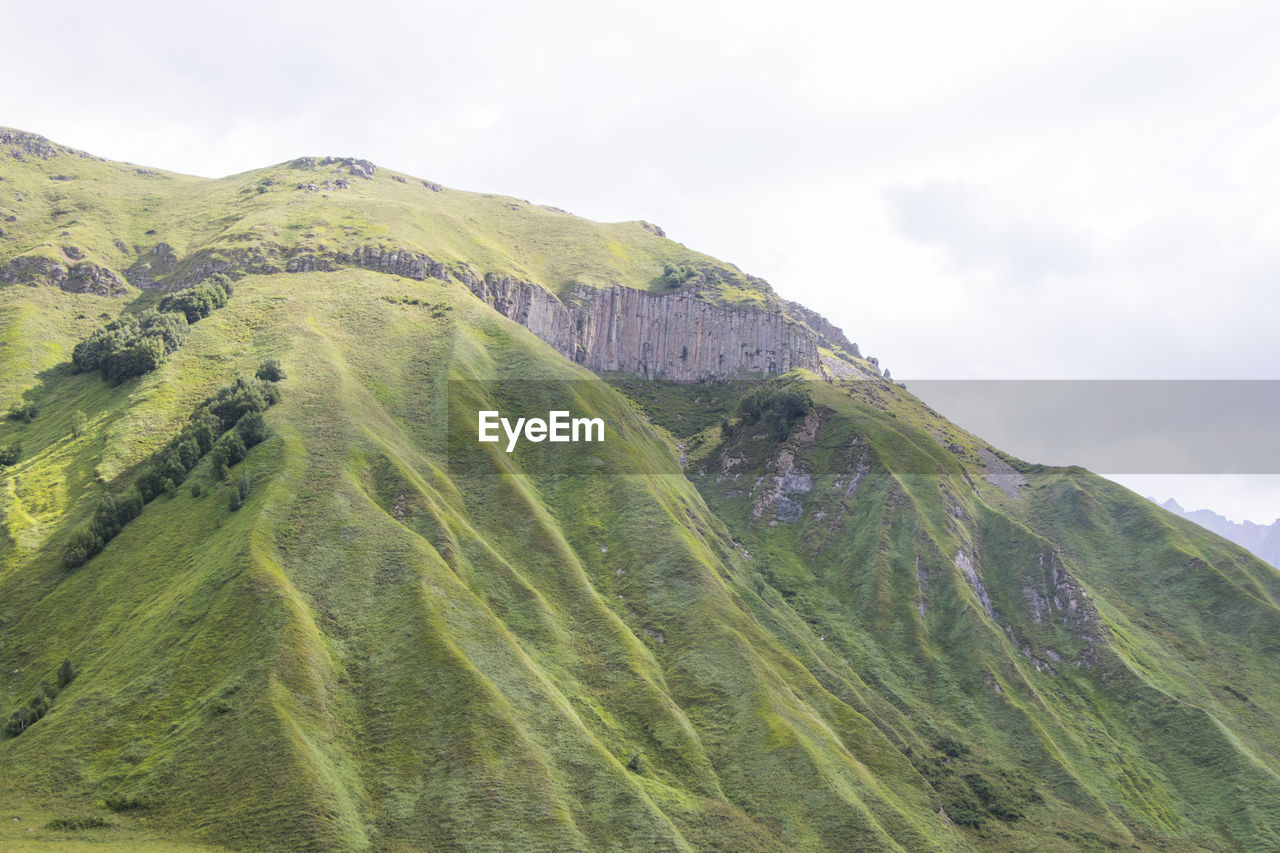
pixel 671 336
pixel 675 336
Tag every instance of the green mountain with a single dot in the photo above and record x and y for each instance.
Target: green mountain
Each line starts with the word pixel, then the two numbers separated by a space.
pixel 783 606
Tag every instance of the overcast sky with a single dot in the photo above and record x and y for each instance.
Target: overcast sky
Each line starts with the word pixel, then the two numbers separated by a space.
pixel 996 190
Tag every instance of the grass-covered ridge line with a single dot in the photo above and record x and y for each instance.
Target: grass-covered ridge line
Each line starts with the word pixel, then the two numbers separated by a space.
pixel 327 214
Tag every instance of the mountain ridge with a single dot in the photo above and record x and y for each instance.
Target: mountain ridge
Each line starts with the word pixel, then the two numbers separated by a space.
pixel 1260 539
pixel 729 322
pixel 790 612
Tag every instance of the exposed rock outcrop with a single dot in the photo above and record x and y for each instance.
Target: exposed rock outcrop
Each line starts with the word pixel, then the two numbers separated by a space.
pixel 998 472
pixel 355 166
pixel 533 307
pixel 83 277
pixel 22 143
pixel 402 262
pixel 660 336
pixel 158 262
pixel 829 335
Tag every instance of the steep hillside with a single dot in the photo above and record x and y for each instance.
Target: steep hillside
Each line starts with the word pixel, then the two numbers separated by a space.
pixel 797 612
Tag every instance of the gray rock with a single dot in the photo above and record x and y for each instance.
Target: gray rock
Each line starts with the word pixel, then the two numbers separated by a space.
pixel 84 277
pixel 31 143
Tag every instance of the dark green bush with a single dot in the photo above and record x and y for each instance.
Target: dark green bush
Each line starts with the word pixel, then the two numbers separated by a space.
pixel 270 370
pixel 252 428
pixel 82 547
pixel 66 673
pixel 234 401
pixel 674 276
pixel 196 303
pixel 130 345
pixel 10 455
pixel 776 408
pixel 20 720
pixel 25 413
pixel 23 718
pixel 188 451
pixel 43 700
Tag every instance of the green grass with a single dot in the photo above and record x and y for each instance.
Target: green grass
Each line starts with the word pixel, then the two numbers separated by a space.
pixel 395 645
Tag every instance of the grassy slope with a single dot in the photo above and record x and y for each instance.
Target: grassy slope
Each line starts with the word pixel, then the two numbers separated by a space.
pixel 393 646
pixel 107 202
pixel 1165 733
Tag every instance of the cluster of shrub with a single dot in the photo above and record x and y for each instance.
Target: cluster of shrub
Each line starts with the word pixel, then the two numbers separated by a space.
pixel 27 715
pixel 198 302
pixel 776 408
pixel 674 275
pixel 10 454
pixel 225 426
pixel 133 345
pixel 26 413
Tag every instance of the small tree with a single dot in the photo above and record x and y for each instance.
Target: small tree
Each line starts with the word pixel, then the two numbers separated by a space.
pixel 20 720
pixel 270 370
pixel 252 428
pixel 78 421
pixel 66 673
pixel 83 545
pixel 219 459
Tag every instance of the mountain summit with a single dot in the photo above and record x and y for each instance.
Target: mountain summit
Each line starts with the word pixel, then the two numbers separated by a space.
pixel 262 588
